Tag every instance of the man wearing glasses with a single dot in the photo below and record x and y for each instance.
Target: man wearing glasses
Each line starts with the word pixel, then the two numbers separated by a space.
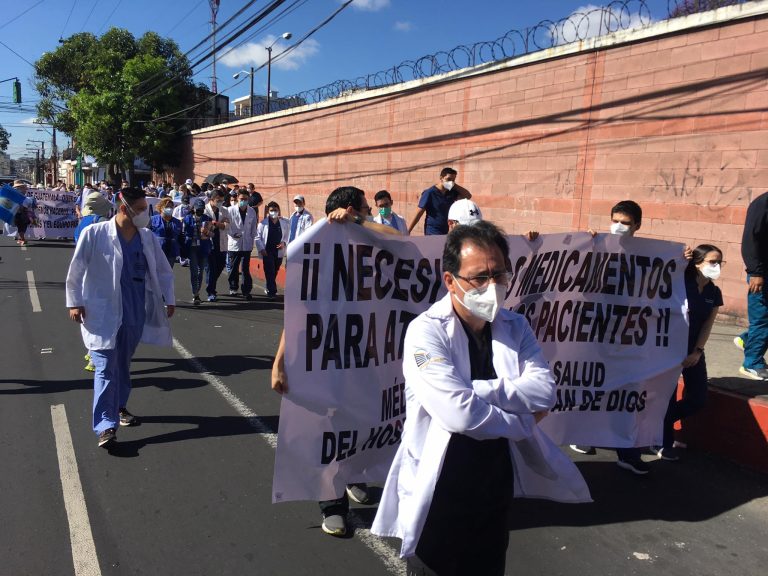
pixel 476 381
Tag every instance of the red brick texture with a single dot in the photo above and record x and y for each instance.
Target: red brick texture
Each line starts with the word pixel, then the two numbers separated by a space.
pixel 678 123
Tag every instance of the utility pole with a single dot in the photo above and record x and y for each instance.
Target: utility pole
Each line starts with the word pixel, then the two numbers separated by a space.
pixel 214 4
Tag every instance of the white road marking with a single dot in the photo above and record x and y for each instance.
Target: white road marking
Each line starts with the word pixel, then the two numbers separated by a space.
pixel 83 549
pixel 46 350
pixel 388 555
pixel 33 292
pixel 23 248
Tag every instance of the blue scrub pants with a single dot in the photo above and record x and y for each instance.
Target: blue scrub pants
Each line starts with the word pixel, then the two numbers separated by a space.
pixel 112 379
pixel 756 337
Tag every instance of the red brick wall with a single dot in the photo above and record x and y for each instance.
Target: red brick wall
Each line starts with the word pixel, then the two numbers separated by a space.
pixel 677 123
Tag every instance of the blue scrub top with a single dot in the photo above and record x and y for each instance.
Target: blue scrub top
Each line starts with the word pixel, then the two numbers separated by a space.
pixel 132 280
pixel 436 204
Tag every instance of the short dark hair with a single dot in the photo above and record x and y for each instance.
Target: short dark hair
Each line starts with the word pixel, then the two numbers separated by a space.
pixel 243 192
pixel 382 195
pixel 255 199
pixel 447 171
pixel 216 193
pixel 483 234
pixel 273 204
pixel 131 195
pixel 344 197
pixel 630 208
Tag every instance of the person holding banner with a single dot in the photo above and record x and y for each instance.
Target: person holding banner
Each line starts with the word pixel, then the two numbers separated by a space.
pixel 476 385
pixel 119 288
pixel 346 204
pixel 704 301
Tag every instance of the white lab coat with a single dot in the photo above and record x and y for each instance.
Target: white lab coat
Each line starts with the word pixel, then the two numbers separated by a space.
pixel 402 227
pixel 263 231
pixel 223 218
pixel 241 235
pixel 93 281
pixel 305 221
pixel 442 399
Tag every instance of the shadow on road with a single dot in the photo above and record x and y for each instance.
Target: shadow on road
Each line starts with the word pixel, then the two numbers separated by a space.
pixel 197 427
pixel 222 365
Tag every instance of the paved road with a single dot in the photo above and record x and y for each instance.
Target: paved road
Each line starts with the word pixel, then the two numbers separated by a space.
pixel 188 491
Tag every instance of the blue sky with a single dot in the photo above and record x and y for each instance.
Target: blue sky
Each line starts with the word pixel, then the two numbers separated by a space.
pixel 368 36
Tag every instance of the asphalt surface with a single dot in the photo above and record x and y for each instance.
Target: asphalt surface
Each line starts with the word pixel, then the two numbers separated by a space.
pixel 188 491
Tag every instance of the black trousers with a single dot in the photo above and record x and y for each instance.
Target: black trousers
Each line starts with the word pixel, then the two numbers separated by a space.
pixel 466 530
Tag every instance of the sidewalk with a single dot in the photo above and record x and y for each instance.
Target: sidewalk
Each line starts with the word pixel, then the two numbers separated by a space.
pixel 734 424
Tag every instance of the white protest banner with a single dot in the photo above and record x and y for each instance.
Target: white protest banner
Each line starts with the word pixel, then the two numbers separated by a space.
pixel 54 214
pixel 350 295
pixel 608 312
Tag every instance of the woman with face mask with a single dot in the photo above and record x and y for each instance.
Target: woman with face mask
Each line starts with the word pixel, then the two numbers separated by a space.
pixel 271 240
pixel 704 300
pixel 167 229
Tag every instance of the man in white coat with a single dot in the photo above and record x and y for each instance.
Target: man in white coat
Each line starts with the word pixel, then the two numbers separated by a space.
pixel 300 220
pixel 241 233
pixel 476 386
pixel 120 290
pixel 385 215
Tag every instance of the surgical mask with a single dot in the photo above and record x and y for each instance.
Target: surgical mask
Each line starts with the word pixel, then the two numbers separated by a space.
pixel 273 214
pixel 485 302
pixel 619 228
pixel 139 219
pixel 448 184
pixel 298 209
pixel 243 203
pixel 168 212
pixel 711 271
pixel 385 212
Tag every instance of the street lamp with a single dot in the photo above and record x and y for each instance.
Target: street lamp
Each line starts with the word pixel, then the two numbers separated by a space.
pixel 285 36
pixel 237 75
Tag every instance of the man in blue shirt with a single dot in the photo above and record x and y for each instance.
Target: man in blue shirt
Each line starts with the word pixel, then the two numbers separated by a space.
pixel 436 201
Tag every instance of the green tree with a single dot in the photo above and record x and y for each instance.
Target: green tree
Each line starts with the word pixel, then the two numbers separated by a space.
pixel 4 139
pixel 107 93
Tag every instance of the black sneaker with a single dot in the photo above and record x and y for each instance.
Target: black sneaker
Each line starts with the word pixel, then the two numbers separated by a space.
pixel 635 465
pixel 670 454
pixel 335 525
pixel 126 418
pixel 248 297
pixel 196 300
pixel 107 437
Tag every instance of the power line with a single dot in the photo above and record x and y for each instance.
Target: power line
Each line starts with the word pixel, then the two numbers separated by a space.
pixel 17 54
pixel 68 17
pixel 292 47
pixel 12 20
pixel 109 17
pixel 184 18
pixel 89 15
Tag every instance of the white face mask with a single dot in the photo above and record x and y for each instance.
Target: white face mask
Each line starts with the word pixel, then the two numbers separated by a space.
pixel 483 303
pixel 711 271
pixel 619 228
pixel 448 184
pixel 299 209
pixel 168 211
pixel 273 214
pixel 139 219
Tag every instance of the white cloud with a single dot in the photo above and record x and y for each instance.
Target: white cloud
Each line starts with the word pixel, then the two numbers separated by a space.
pixel 255 54
pixel 369 5
pixel 590 21
pixel 403 26
pixel 31 121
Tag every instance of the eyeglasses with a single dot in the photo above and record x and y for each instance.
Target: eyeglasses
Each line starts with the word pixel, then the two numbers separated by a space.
pixel 482 280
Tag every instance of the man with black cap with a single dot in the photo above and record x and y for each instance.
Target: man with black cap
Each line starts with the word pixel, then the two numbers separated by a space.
pixel 301 219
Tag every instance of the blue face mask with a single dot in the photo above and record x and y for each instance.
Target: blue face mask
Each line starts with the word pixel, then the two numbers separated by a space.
pixel 243 203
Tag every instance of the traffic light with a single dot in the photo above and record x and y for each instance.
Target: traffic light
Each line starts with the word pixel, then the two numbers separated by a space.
pixel 17 92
